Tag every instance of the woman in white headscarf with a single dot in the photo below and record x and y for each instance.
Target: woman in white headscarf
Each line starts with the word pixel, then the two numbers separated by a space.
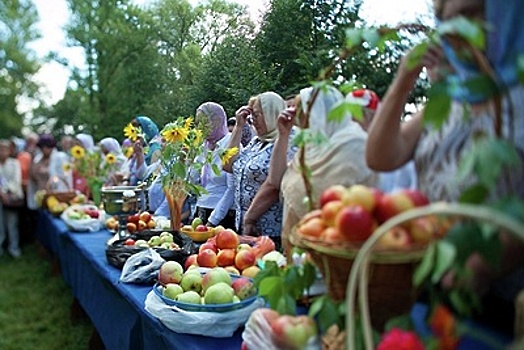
pixel 110 145
pixel 338 161
pixel 251 166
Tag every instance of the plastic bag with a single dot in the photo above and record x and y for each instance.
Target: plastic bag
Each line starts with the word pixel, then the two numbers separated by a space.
pixel 211 324
pixel 71 217
pixel 142 267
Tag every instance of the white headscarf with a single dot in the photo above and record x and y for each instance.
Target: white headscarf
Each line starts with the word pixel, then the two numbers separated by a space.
pixel 272 104
pixel 87 141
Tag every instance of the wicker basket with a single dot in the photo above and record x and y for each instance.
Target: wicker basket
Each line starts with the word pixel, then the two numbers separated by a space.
pixel 390 277
pixel 363 262
pixel 62 196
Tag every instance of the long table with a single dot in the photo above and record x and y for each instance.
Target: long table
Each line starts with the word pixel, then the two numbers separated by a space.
pixel 116 309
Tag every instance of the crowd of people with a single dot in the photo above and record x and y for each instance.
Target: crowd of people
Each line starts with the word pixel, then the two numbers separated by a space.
pixel 260 190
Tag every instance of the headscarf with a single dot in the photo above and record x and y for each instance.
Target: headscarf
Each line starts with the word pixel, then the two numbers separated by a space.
pixel 150 130
pixel 505 44
pixel 87 141
pixel 339 160
pixel 272 104
pixel 217 117
pixel 111 145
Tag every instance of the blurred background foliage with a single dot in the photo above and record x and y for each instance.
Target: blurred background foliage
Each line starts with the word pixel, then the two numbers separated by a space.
pixel 165 59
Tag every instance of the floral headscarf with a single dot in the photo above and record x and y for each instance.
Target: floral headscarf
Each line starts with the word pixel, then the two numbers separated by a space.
pixel 272 104
pixel 149 127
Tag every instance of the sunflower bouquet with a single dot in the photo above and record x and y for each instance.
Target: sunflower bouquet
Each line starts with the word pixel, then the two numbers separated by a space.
pixel 94 167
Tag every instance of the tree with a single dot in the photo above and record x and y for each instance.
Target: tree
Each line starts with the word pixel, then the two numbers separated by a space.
pixel 18 63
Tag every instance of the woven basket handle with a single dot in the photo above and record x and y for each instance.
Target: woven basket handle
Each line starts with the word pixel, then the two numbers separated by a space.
pixel 359 271
pixel 50 181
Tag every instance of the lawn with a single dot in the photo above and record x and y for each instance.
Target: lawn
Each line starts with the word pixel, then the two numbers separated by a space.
pixel 35 306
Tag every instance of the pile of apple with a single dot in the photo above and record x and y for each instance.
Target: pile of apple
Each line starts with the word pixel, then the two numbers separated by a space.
pixel 82 212
pixel 225 250
pixel 279 331
pixel 163 240
pixel 135 223
pixel 210 288
pixel 352 214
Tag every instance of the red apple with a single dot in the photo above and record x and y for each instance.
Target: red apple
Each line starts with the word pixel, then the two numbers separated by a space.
pixel 359 195
pixel 129 241
pixel 330 211
pixel 208 245
pixel 391 204
pixel 145 216
pixel 418 198
pixel 142 225
pixel 227 239
pixel 354 223
pixel 201 228
pixel 331 235
pixel 250 271
pixel 331 193
pixel 243 288
pixel 191 261
pixel 293 332
pixel 269 314
pixel 316 213
pixel 312 228
pixel 170 272
pixel 397 238
pixel 244 259
pixel 226 257
pixel 131 227
pixel 422 229
pixel 133 218
pixel 207 258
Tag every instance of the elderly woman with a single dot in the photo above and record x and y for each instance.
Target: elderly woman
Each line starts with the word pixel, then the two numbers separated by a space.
pixel 110 145
pixel 214 208
pixel 338 161
pixel 145 152
pixel 251 166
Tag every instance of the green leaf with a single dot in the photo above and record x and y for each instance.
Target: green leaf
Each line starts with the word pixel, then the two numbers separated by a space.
pixel 415 55
pixel 286 305
pixel 467 29
pixel 403 322
pixel 446 253
pixel 270 285
pixel 423 270
pixel 328 315
pixel 338 113
pixel 317 306
pixel 438 106
pixel 216 169
pixel 309 274
pixel 475 194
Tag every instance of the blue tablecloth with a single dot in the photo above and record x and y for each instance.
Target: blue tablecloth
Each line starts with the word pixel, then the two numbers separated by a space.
pixel 116 309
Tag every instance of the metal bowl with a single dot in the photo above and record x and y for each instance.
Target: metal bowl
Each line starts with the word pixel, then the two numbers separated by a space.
pixel 116 204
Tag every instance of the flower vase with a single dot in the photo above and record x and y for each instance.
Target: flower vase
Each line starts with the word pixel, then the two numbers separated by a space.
pixel 175 200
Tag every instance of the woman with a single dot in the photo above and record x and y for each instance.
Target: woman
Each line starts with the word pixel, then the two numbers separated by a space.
pixel 110 145
pixel 340 160
pixel 437 153
pixel 79 182
pixel 10 190
pixel 145 151
pixel 214 208
pixel 251 166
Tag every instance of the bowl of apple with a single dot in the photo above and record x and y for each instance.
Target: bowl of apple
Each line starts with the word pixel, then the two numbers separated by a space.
pixel 197 231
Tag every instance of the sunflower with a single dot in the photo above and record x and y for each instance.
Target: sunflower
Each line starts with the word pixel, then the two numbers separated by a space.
pixel 129 152
pixel 131 132
pixel 188 123
pixel 67 167
pixel 227 154
pixel 175 134
pixel 110 158
pixel 198 137
pixel 78 152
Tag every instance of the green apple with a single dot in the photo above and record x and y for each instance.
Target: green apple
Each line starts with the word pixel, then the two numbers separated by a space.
pixel 191 281
pixel 190 297
pixel 196 222
pixel 214 276
pixel 293 332
pixel 220 293
pixel 154 241
pixel 166 237
pixel 172 290
pixel 170 272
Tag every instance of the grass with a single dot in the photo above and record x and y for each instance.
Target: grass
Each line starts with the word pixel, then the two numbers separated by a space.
pixel 35 306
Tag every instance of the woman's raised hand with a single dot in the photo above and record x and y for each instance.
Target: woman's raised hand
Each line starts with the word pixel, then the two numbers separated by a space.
pixel 242 114
pixel 286 120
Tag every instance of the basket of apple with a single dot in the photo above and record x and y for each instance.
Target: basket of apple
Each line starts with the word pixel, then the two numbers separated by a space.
pixel 170 245
pixel 346 218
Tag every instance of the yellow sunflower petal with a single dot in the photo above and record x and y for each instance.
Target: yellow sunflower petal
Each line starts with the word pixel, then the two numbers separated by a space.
pixel 110 158
pixel 131 132
pixel 229 153
pixel 78 152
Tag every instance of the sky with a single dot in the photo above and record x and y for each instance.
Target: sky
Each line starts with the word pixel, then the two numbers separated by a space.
pixel 54 14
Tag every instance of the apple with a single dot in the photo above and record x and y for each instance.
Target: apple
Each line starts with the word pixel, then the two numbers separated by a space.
pixel 232 270
pixel 190 297
pixel 208 245
pixel 331 193
pixel 418 198
pixel 422 230
pixel 191 261
pixel 332 235
pixel 219 293
pixel 129 241
pixel 207 258
pixel 141 243
pixel 92 212
pixel 293 332
pixel 226 257
pixel 201 228
pixel 391 204
pixel 315 213
pixel 354 223
pixel 269 314
pixel 313 227
pixel 242 246
pixel 145 216
pixel 214 276
pixel 111 223
pixel 166 237
pixel 250 271
pixel 243 288
pixel 191 281
pixel 142 225
pixel 154 241
pixel 187 228
pixel 330 211
pixel 133 218
pixel 170 272
pixel 196 222
pixel 244 259
pixel 397 238
pixel 219 228
pixel 227 239
pixel 172 290
pixel 359 195
pixel 131 227
pixel 151 224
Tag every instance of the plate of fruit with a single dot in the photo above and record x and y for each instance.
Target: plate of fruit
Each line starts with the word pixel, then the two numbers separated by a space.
pixel 82 217
pixel 198 231
pixel 198 289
